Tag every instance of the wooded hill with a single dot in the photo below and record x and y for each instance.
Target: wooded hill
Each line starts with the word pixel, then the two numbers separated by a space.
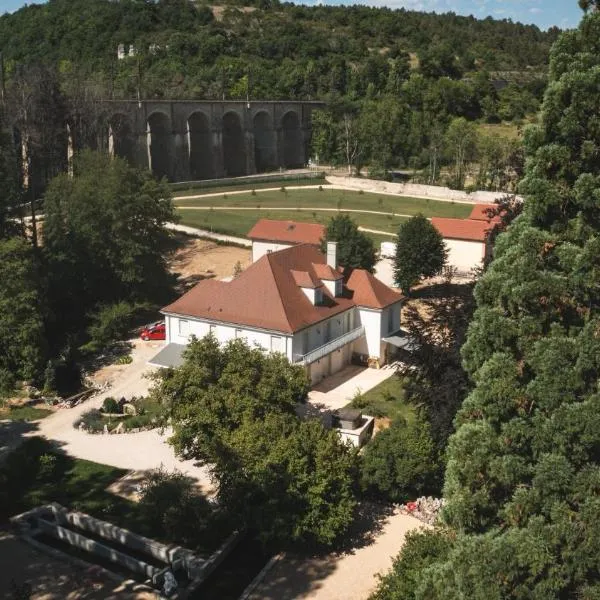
pixel 271 50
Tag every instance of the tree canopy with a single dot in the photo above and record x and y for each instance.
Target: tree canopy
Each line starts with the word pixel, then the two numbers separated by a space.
pixel 523 465
pixel 355 250
pixel 420 252
pixel 104 237
pixel 234 408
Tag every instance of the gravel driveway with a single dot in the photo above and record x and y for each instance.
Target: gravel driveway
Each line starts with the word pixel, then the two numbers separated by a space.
pixel 133 451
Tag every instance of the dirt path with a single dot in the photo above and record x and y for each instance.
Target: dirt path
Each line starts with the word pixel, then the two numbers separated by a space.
pixel 346 576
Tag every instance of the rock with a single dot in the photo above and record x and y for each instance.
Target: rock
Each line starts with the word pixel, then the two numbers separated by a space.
pixel 425 509
pixel 129 409
pixel 120 428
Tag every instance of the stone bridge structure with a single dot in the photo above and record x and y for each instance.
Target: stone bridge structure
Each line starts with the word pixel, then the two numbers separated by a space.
pixel 186 140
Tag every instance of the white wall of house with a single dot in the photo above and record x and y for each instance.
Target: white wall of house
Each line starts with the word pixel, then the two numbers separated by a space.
pixel 464 255
pixel 315 336
pixel 370 344
pixel 180 329
pixel 259 249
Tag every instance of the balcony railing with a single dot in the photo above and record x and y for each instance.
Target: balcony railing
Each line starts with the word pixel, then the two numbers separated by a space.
pixel 329 347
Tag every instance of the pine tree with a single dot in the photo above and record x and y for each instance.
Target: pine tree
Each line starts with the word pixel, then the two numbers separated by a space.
pixel 523 471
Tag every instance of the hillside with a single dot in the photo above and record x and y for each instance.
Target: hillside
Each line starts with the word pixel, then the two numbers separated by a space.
pixel 270 50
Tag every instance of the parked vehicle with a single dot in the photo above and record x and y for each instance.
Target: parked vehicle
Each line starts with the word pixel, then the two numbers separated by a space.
pixel 156 331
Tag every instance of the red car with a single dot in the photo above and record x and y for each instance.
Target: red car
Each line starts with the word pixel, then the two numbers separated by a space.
pixel 156 331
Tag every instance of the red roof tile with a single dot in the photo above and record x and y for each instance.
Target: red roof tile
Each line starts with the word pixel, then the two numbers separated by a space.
pixel 305 279
pixel 287 231
pixel 369 292
pixel 267 294
pixel 324 271
pixel 479 213
pixel 461 229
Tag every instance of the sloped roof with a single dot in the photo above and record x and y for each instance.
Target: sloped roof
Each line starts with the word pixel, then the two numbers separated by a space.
pixel 287 231
pixel 268 295
pixel 369 292
pixel 324 271
pixel 479 213
pixel 461 229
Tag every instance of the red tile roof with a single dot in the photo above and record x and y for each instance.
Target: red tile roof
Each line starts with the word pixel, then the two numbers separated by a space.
pixel 267 294
pixel 461 229
pixel 479 213
pixel 287 231
pixel 324 271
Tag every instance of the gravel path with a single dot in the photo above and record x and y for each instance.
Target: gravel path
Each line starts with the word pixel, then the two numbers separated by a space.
pixel 133 451
pixel 347 576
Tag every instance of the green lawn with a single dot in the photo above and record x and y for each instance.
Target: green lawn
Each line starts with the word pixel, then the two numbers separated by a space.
pixel 24 413
pixel 340 199
pixel 385 400
pixel 239 223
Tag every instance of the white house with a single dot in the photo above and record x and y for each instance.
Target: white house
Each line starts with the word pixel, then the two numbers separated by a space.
pixel 466 241
pixel 269 235
pixel 294 301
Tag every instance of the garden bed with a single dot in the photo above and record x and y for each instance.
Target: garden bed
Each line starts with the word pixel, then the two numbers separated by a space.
pixel 121 416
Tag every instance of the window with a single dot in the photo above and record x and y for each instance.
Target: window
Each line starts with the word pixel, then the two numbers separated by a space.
pixel 184 327
pixel 318 296
pixel 276 343
pixel 269 251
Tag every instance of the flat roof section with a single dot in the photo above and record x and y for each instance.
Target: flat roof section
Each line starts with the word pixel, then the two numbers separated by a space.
pixel 170 357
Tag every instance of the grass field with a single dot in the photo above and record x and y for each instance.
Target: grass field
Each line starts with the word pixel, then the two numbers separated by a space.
pixel 240 222
pixel 337 199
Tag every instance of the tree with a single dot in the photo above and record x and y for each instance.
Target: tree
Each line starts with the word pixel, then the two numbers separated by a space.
pixel 104 239
pixel 401 462
pixel 233 407
pixel 354 249
pixel 10 192
pixel 218 388
pixel 420 252
pixel 523 464
pixel 460 141
pixel 435 379
pixel 22 335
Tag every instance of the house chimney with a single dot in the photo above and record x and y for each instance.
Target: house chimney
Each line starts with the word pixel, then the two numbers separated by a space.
pixel 332 254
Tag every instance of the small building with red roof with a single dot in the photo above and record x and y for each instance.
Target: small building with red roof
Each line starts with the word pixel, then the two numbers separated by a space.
pixel 466 241
pixel 269 235
pixel 295 301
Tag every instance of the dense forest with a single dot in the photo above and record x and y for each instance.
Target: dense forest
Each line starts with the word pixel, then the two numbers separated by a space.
pixel 404 89
pixel 185 49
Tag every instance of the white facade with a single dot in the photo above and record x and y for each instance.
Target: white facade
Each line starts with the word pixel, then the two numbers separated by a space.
pixel 465 255
pixel 180 329
pixel 328 339
pixel 259 249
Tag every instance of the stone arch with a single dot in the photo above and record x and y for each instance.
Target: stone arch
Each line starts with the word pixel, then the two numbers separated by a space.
pixel 293 145
pixel 121 140
pixel 234 145
pixel 160 144
pixel 265 145
pixel 200 146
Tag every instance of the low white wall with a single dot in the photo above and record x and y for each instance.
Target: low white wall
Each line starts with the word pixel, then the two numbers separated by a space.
pixel 415 190
pixel 259 249
pixel 464 255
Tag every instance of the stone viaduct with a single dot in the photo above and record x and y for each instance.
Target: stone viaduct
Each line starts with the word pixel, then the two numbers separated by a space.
pixel 186 140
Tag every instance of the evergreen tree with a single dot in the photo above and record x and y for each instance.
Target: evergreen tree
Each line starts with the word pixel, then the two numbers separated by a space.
pixel 420 252
pixel 524 465
pixel 355 250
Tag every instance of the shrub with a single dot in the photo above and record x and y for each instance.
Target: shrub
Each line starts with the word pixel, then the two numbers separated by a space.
pixel 282 189
pixel 253 192
pixel 7 381
pixel 111 406
pixel 320 188
pixel 171 505
pixel 360 192
pixel 126 359
pixel 92 420
pixel 401 462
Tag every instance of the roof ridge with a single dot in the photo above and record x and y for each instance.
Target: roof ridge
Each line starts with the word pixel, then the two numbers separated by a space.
pixel 269 258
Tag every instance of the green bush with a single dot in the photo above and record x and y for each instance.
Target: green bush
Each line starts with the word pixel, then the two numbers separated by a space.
pixel 7 381
pixel 171 505
pixel 92 420
pixel 320 188
pixel 111 406
pixel 126 359
pixel 401 462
